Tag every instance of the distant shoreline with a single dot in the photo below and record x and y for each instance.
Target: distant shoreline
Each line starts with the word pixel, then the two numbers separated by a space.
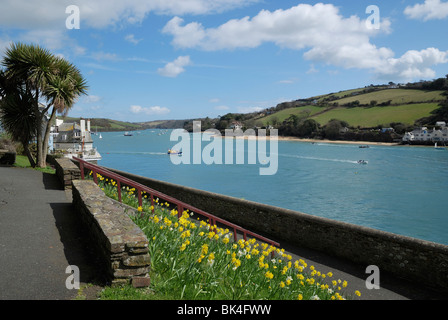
pixel 296 139
pixel 338 141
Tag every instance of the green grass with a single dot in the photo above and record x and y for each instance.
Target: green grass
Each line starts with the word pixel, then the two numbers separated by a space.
pixel 23 162
pixel 397 96
pixel 371 117
pixel 340 94
pixel 407 106
pixel 284 114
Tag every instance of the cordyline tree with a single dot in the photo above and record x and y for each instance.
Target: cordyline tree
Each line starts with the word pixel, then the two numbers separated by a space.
pixel 36 83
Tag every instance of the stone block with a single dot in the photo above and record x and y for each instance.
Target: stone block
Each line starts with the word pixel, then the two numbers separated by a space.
pixel 141 282
pixel 137 261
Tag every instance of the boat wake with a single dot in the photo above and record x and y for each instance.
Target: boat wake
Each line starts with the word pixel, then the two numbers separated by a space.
pixel 319 159
pixel 139 153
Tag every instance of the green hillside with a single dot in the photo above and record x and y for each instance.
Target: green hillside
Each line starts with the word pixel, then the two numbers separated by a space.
pixel 104 125
pixel 395 96
pixel 358 107
pixel 368 117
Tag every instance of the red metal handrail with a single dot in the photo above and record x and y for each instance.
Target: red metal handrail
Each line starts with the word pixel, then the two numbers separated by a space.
pixel 181 206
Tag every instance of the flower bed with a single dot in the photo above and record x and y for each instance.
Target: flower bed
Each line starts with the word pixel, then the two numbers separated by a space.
pixel 191 259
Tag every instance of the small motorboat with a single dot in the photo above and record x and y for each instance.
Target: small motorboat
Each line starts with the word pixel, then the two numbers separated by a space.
pixel 363 161
pixel 174 152
pixel 127 134
pixel 438 148
pixel 364 147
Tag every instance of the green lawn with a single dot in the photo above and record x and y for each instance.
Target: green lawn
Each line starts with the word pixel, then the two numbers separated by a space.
pixel 23 162
pixel 372 117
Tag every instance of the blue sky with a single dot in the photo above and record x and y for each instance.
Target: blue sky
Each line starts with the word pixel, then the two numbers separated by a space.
pixel 150 60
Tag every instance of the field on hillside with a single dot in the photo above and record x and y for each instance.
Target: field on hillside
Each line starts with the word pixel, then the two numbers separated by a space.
pixel 396 96
pixel 340 94
pixel 407 106
pixel 367 117
pixel 282 115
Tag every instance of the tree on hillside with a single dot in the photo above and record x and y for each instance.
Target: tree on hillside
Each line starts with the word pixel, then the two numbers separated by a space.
pixel 53 83
pixel 333 128
pixel 308 128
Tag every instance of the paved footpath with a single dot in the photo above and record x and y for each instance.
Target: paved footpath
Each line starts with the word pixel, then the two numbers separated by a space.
pixel 40 236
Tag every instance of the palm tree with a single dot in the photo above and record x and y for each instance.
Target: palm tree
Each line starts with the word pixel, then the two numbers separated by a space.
pixel 51 81
pixel 16 114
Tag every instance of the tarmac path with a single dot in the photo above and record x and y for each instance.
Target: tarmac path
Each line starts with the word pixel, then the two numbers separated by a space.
pixel 39 237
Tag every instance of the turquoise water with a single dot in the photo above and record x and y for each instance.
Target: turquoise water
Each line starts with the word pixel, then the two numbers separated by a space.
pixel 402 190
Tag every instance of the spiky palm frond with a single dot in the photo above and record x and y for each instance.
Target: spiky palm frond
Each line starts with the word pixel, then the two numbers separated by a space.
pixel 16 114
pixel 29 63
pixel 64 86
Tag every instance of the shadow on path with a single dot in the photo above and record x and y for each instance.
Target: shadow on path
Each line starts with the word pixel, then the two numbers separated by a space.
pixel 75 240
pixel 51 182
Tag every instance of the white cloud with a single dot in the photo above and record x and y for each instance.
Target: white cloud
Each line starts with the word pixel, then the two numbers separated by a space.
pixel 44 22
pixel 429 10
pixel 91 98
pixel 326 36
pixel 287 81
pixel 105 56
pixel 131 38
pixel 299 27
pixel 414 64
pixel 249 109
pixel 173 69
pixel 151 111
pixel 103 13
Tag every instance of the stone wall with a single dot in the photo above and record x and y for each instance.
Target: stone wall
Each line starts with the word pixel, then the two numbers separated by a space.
pixel 66 170
pixel 121 244
pixel 413 259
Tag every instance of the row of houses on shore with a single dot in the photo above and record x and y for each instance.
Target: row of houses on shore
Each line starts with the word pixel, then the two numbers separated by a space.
pixel 438 134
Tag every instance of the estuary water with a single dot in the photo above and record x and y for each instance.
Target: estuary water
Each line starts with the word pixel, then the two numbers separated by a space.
pixel 403 190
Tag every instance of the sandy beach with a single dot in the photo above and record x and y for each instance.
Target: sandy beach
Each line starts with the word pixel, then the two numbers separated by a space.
pixel 296 139
pixel 337 141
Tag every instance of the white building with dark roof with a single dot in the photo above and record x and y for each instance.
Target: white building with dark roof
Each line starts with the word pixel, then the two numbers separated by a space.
pixel 423 134
pixel 74 139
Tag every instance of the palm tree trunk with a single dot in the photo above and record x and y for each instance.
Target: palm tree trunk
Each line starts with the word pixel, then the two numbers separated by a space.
pixel 47 134
pixel 39 117
pixel 26 148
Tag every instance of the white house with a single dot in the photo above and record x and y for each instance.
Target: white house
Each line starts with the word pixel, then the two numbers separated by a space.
pixel 424 134
pixel 236 125
pixel 74 139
